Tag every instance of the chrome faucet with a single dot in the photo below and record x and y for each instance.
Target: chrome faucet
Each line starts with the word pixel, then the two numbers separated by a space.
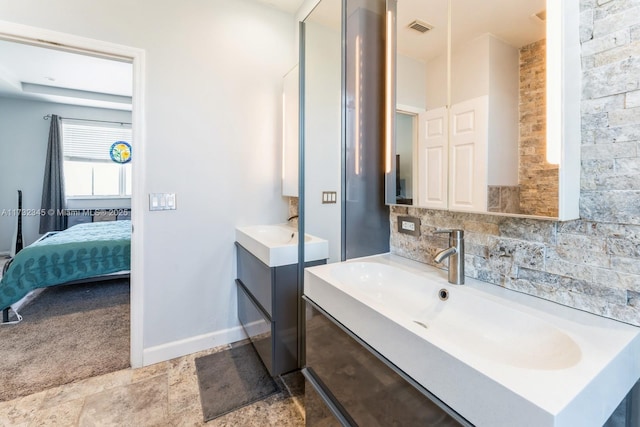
pixel 455 253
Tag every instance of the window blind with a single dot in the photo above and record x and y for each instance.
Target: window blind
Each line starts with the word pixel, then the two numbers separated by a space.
pixel 91 142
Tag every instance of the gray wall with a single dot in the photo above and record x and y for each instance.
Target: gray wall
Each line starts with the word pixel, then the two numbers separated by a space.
pixel 593 263
pixel 366 229
pixel 212 121
pixel 323 132
pixel 23 149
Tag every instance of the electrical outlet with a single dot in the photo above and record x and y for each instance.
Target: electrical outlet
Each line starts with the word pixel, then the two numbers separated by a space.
pixel 329 197
pixel 409 225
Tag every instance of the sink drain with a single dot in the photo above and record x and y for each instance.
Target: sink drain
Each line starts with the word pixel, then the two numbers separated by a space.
pixel 443 294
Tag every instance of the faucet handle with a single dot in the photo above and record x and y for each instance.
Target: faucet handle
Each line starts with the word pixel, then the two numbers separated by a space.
pixel 453 233
pixel 445 230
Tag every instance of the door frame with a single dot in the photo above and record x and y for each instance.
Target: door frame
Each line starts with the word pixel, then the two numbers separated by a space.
pixel 414 112
pixel 69 42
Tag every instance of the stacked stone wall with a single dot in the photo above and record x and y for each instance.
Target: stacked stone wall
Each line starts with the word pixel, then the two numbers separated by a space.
pixel 538 179
pixel 592 263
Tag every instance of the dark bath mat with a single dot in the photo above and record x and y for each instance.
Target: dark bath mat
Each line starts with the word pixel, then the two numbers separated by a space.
pixel 231 379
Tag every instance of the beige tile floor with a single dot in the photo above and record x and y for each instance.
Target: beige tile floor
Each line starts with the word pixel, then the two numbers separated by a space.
pixel 164 394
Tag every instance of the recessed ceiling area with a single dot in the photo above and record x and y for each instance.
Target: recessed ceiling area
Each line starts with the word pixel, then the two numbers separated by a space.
pixel 47 74
pixel 515 22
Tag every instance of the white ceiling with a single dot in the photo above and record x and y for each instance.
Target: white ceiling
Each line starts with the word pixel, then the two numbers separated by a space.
pixel 40 73
pixel 512 21
pixel 290 6
pixel 327 13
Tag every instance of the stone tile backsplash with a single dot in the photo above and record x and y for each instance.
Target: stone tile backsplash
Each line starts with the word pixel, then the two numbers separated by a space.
pixel 537 179
pixel 593 263
pixel 584 264
pixel 503 198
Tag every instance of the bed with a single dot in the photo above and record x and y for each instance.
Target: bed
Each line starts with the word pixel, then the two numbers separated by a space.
pixel 83 253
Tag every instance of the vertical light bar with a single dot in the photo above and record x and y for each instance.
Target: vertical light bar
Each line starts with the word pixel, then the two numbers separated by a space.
pixel 449 25
pixel 358 125
pixel 389 78
pixel 284 135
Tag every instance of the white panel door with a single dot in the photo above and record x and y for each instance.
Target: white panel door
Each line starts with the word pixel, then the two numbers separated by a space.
pixel 432 158
pixel 468 151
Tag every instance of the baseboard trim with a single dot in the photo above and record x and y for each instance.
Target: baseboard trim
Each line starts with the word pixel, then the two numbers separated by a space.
pixel 179 348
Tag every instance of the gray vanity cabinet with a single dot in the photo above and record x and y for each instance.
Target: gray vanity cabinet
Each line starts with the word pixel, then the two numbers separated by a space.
pixel 347 383
pixel 268 309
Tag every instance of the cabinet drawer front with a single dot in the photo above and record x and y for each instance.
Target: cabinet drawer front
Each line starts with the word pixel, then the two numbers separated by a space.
pixel 256 276
pixel 370 392
pixel 257 327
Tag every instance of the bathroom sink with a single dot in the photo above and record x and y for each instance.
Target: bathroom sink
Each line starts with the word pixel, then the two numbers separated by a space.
pixel 277 244
pixel 495 356
pixel 277 235
pixel 460 319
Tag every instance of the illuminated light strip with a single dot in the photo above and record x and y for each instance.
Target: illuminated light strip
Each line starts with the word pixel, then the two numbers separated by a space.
pixel 357 106
pixel 284 134
pixel 388 78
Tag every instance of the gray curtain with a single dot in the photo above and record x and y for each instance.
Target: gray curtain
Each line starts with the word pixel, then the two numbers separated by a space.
pixel 53 200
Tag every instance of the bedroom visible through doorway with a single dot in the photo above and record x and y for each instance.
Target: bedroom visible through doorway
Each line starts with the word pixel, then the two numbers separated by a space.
pixel 40 85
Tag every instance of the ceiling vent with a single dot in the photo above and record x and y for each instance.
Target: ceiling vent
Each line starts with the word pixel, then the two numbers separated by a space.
pixel 420 26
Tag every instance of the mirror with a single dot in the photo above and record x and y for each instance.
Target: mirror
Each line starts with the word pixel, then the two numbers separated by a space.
pixel 322 78
pixel 342 199
pixel 471 107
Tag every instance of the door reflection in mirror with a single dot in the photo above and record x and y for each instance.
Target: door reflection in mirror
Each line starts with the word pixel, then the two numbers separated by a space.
pixel 406 134
pixel 485 68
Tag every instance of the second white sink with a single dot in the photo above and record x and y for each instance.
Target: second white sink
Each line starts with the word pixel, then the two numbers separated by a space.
pixel 277 244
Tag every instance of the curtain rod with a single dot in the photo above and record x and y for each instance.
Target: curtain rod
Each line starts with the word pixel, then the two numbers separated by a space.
pixel 48 116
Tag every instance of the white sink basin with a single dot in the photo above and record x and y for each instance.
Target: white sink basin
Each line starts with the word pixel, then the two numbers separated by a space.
pixel 529 341
pixel 277 244
pixel 497 357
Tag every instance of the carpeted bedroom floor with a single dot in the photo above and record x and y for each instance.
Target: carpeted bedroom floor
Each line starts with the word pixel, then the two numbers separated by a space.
pixel 69 333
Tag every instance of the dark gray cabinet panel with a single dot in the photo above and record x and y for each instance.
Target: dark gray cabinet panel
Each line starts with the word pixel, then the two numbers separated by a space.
pixel 268 302
pixel 257 277
pixel 367 389
pixel 319 407
pixel 256 324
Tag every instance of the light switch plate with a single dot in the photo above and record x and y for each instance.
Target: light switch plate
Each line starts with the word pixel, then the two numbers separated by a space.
pixel 409 225
pixel 329 197
pixel 162 201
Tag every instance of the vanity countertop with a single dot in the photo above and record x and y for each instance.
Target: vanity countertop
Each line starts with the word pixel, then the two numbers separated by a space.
pixel 496 356
pixel 277 244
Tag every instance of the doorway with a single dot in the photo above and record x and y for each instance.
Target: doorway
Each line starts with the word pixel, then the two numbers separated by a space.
pixel 406 147
pixel 98 49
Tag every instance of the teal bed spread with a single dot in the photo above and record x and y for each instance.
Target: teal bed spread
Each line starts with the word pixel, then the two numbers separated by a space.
pixel 77 253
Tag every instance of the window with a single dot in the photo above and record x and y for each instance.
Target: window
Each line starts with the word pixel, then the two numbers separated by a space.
pixel 88 168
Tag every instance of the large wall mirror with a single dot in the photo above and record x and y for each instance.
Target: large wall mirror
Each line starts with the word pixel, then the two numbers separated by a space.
pixel 475 85
pixel 342 98
pixel 322 126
